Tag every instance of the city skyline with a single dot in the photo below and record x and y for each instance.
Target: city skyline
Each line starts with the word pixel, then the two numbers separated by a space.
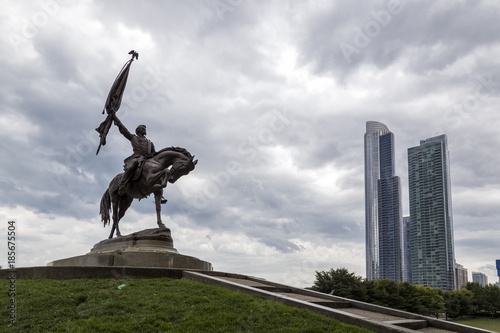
pixel 418 249
pixel 379 162
pixel 379 156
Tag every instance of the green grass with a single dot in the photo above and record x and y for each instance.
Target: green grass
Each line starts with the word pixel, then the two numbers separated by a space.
pixel 150 305
pixel 492 324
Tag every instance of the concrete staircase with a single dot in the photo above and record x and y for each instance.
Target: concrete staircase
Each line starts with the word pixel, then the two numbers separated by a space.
pixel 373 317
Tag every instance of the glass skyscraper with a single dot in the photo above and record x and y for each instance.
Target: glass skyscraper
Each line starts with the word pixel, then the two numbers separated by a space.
pixel 383 215
pixel 406 249
pixel 498 271
pixel 480 278
pixel 432 255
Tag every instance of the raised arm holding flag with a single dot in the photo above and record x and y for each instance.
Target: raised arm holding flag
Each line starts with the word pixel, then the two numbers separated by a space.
pixel 114 100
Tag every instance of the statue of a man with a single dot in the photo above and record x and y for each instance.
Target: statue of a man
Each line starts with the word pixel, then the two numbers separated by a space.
pixel 142 147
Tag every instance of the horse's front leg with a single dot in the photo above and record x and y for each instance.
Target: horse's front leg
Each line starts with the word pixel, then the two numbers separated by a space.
pixel 158 196
pixel 164 179
pixel 118 233
pixel 114 226
pixel 112 230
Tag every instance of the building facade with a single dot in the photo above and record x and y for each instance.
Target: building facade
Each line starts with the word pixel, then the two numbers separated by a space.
pixel 406 249
pixel 383 217
pixel 480 278
pixel 498 272
pixel 432 253
pixel 390 215
pixel 462 277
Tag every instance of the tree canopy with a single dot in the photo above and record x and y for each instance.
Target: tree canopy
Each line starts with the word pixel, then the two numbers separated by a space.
pixel 473 299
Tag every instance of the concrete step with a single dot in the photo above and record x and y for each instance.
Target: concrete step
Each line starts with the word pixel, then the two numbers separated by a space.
pixel 333 304
pixel 414 324
pixel 275 289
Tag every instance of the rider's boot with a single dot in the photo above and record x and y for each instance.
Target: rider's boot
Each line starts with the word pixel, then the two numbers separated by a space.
pixel 123 184
pixel 121 189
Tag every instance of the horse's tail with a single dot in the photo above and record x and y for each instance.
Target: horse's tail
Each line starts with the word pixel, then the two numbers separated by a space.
pixel 105 207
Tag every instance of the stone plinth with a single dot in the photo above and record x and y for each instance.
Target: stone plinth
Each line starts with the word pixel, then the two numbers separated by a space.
pixel 147 248
pixel 150 240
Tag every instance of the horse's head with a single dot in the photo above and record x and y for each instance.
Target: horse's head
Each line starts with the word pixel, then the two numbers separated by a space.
pixel 181 167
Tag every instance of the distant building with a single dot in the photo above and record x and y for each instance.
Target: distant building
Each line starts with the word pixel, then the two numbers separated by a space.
pixel 390 215
pixel 432 253
pixel 462 277
pixel 372 174
pixel 498 273
pixel 498 268
pixel 480 278
pixel 406 249
pixel 383 217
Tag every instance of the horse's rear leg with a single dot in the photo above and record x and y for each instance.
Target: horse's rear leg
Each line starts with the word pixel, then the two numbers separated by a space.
pixel 158 196
pixel 125 202
pixel 115 220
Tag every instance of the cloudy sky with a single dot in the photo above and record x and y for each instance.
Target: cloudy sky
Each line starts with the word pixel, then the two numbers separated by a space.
pixel 272 97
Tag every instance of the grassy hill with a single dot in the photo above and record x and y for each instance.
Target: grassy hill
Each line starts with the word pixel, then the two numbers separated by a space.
pixel 492 324
pixel 150 305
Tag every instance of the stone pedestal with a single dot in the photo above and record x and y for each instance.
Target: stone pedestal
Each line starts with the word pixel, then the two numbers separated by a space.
pixel 150 240
pixel 147 248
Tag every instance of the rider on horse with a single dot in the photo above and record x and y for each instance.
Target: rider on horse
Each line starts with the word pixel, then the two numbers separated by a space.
pixel 142 147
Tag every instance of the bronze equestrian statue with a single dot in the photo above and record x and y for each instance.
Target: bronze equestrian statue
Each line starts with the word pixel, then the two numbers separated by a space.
pixel 146 172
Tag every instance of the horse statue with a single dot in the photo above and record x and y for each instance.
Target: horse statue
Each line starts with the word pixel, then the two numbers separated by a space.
pixel 151 177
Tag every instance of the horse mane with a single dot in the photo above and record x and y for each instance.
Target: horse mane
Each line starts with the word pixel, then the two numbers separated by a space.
pixel 176 149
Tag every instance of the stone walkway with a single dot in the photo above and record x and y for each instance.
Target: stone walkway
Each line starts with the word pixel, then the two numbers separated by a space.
pixel 392 320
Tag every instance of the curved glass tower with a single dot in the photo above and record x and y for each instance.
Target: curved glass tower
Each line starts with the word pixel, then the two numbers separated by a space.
pixel 383 213
pixel 372 174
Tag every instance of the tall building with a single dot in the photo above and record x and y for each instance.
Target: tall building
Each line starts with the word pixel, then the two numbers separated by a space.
pixel 390 215
pixel 432 254
pixel 461 273
pixel 383 216
pixel 406 249
pixel 498 272
pixel 480 278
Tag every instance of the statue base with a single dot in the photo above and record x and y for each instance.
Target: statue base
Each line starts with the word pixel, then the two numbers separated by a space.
pixel 147 248
pixel 157 240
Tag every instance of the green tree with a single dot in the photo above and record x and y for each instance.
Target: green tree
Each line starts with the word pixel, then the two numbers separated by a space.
pixel 478 297
pixel 431 303
pixel 492 299
pixel 451 304
pixel 384 292
pixel 409 295
pixel 339 282
pixel 466 299
pixel 397 295
pixel 458 303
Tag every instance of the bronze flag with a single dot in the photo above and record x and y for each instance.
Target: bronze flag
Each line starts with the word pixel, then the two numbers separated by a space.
pixel 114 99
